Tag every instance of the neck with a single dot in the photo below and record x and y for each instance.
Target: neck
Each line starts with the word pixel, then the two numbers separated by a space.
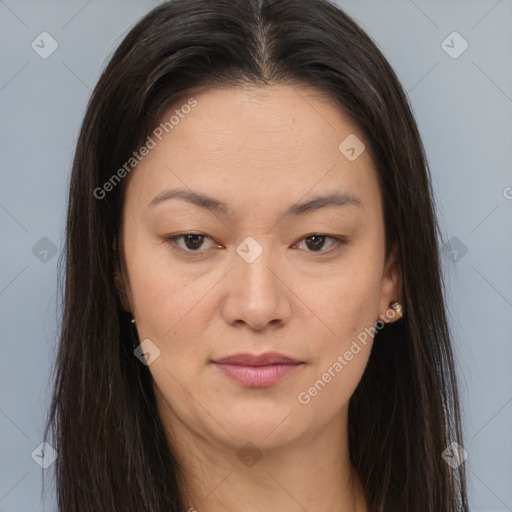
pixel 313 474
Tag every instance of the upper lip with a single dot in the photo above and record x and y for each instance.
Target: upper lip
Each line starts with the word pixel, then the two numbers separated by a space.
pixel 257 359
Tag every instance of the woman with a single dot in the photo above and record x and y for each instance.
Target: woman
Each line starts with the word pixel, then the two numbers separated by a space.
pixel 253 313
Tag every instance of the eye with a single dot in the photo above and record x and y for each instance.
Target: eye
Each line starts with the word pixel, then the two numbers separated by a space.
pixel 316 242
pixel 192 241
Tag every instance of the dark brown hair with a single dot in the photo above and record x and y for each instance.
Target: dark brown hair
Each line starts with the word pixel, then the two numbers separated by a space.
pixel 113 452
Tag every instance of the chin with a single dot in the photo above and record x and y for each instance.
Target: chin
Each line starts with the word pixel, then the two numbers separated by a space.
pixel 264 428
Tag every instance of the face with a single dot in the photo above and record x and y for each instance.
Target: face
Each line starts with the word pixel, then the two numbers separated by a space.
pixel 252 269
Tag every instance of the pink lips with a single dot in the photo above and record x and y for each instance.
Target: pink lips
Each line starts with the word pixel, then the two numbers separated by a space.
pixel 257 370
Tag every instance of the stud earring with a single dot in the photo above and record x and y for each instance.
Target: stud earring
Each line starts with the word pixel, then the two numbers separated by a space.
pixel 397 307
pixel 134 333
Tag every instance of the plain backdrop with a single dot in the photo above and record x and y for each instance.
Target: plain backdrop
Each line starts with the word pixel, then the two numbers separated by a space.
pixel 462 100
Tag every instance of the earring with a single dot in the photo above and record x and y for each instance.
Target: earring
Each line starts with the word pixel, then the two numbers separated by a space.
pixel 397 307
pixel 133 330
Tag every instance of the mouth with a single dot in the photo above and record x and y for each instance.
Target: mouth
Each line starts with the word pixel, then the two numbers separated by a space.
pixel 255 371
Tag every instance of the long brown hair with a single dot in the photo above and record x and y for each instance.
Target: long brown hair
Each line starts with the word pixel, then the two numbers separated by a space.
pixel 113 453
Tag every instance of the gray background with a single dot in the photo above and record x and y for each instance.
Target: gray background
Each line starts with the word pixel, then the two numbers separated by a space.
pixel 463 107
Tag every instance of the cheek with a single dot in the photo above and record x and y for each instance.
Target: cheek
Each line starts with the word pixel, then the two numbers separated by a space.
pixel 164 297
pixel 349 307
pixel 347 301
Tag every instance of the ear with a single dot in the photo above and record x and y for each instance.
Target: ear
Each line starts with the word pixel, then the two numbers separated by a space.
pixel 121 276
pixel 391 287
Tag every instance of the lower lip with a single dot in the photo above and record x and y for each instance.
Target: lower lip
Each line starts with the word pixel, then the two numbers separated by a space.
pixel 257 376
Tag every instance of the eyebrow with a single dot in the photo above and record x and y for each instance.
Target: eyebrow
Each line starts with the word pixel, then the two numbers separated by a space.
pixel 214 205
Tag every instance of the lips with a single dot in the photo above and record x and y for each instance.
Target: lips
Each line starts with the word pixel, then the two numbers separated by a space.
pixel 257 360
pixel 254 371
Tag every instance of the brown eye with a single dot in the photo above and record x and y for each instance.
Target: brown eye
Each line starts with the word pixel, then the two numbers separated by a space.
pixel 192 242
pixel 316 242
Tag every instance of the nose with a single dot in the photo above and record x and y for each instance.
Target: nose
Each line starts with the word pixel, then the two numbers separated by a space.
pixel 256 292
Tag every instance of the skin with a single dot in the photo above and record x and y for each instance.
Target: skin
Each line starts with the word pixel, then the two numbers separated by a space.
pixel 259 151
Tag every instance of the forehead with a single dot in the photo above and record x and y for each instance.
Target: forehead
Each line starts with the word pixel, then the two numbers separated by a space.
pixel 253 146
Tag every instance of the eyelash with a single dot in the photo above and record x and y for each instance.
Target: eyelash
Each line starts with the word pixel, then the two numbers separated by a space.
pixel 172 241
